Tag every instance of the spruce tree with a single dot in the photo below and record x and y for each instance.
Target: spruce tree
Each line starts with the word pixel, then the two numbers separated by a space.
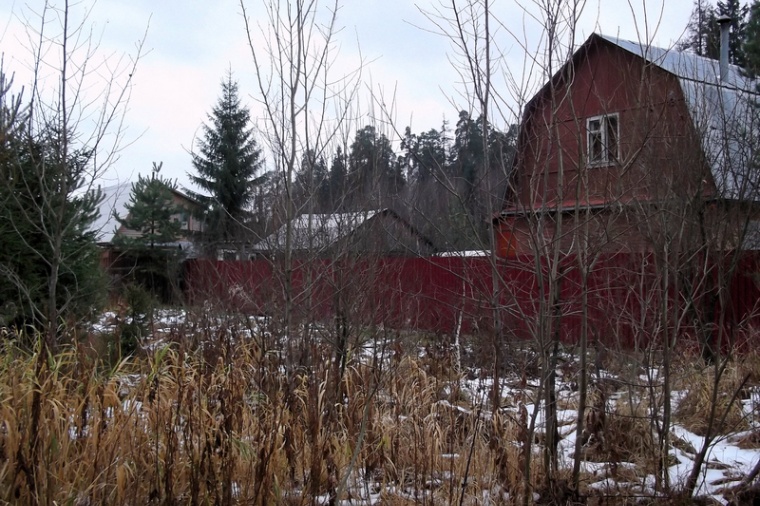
pixel 34 212
pixel 226 164
pixel 751 46
pixel 152 214
pixel 738 13
pixel 703 31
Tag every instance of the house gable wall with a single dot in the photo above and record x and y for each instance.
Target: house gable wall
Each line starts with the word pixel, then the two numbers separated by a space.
pixel 655 134
pixel 658 155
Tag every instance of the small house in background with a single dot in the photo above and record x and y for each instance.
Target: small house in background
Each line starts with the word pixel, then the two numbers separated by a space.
pixel 366 232
pixel 625 132
pixel 107 228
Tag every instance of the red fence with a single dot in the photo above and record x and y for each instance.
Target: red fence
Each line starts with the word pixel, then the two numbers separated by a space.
pixel 629 299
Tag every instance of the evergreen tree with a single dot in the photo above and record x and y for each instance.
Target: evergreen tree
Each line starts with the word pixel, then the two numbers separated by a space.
pixel 502 148
pixel 409 148
pixel 337 181
pixel 751 46
pixel 703 30
pixel 737 27
pixel 424 154
pixel 472 176
pixel 429 190
pixel 312 183
pixel 467 156
pixel 32 204
pixel 227 165
pixel 373 169
pixel 151 213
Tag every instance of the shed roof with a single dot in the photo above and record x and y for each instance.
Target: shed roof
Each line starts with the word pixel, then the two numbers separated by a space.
pixel 315 231
pixel 319 232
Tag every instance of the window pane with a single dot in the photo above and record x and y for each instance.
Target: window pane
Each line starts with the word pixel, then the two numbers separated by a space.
pixel 612 138
pixel 594 141
pixel 595 147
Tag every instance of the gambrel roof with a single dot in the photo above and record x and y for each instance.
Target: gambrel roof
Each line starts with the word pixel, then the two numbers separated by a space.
pixel 725 113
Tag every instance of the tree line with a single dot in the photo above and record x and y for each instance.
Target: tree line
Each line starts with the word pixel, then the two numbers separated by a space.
pixel 703 32
pixel 433 178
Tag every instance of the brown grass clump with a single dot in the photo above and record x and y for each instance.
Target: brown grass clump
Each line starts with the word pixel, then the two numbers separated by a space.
pixel 623 435
pixel 749 364
pixel 630 437
pixel 700 394
pixel 748 440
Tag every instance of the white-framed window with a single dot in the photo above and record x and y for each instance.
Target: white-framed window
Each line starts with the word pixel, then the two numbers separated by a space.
pixel 602 139
pixel 227 254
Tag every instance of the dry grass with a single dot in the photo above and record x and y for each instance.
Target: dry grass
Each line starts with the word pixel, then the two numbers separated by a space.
pixel 630 437
pixel 222 417
pixel 228 425
pixel 700 393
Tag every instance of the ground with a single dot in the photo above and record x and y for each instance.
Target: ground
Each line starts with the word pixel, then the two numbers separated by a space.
pixel 231 409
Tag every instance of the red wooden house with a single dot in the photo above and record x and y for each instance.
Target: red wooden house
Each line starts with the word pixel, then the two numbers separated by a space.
pixel 627 148
pixel 629 145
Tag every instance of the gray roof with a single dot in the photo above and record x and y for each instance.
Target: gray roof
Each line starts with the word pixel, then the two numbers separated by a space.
pixel 725 114
pixel 115 199
pixel 316 231
pixel 751 239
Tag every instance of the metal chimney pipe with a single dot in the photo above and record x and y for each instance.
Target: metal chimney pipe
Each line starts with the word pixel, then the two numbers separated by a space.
pixel 725 25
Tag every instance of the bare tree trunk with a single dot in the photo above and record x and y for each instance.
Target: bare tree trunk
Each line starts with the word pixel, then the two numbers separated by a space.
pixel 297 91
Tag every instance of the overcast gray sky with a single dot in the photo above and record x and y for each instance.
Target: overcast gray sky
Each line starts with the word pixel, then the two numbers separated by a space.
pixel 190 45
